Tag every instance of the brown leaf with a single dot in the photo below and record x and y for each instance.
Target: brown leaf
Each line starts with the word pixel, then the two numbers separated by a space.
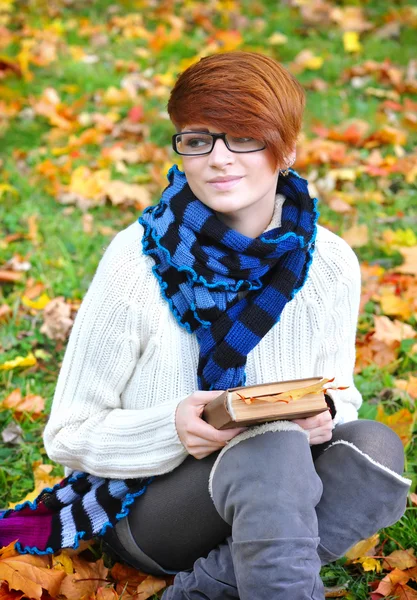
pixel 400 559
pixel 9 276
pixel 85 580
pixel 31 403
pixel 150 586
pixel 105 593
pixel 120 192
pixel 410 260
pixel 5 312
pixel 29 574
pixel 413 498
pixel 409 386
pixel 392 331
pixel 7 594
pixel 57 319
pixel 356 236
pixel 387 585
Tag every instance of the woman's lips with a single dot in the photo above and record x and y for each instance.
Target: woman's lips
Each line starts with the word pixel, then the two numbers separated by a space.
pixel 223 186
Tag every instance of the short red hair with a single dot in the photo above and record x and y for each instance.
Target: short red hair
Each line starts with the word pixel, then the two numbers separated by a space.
pixel 241 93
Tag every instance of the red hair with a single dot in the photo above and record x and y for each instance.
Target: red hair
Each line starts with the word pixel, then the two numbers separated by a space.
pixel 241 93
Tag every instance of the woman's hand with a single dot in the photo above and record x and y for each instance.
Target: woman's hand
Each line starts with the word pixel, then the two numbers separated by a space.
pixel 320 427
pixel 198 437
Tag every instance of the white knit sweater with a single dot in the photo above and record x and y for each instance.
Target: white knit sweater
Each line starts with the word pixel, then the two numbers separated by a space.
pixel 128 363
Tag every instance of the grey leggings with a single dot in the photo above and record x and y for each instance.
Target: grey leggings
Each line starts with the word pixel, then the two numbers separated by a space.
pixel 175 521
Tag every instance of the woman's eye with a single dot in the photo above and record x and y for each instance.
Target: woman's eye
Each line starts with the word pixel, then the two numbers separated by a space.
pixel 242 140
pixel 196 142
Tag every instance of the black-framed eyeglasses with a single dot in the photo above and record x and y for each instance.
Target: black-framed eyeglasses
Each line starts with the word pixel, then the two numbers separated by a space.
pixel 198 143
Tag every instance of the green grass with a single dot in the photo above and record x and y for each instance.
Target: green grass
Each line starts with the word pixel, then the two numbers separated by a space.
pixel 65 257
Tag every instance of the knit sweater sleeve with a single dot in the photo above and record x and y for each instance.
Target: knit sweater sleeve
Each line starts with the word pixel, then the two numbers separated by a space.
pixel 341 288
pixel 89 428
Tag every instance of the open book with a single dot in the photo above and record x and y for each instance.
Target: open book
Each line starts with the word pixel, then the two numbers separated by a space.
pixel 243 406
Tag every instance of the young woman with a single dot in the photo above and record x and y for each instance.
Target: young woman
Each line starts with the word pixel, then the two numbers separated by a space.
pixel 227 281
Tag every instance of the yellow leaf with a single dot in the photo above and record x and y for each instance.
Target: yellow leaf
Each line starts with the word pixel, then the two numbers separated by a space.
pixel 394 306
pixel 42 479
pixel 307 60
pixel 38 304
pixel 5 187
pixel 401 422
pixel 362 547
pixel 19 362
pixel 62 562
pixel 351 41
pixel 277 39
pixel 89 184
pixel 369 564
pixel 400 237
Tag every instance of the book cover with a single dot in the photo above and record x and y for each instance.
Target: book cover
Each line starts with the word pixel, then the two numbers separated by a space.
pixel 252 405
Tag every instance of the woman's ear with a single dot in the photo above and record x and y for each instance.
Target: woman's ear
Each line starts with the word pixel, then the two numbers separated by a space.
pixel 289 159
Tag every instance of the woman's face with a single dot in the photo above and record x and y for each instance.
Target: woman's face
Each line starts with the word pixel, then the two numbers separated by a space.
pixel 245 195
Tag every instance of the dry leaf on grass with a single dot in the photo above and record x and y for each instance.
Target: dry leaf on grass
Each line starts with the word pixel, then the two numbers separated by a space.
pixel 57 319
pixel 401 422
pixel 85 580
pixel 392 331
pixel 400 559
pixel 28 573
pixel 30 403
pixel 363 548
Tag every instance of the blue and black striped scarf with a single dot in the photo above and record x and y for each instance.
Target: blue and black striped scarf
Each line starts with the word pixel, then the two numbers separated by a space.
pixel 201 265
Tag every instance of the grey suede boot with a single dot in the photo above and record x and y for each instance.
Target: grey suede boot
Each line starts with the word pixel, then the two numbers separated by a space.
pixel 266 487
pixel 212 578
pixel 360 496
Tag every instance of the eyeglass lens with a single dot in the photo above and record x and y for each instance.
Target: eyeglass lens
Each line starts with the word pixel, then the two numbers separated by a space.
pixel 202 143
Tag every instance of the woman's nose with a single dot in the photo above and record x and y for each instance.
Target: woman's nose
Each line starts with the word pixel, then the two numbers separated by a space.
pixel 220 155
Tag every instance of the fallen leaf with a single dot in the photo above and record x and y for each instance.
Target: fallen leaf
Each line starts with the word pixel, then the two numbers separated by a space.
pixel 29 573
pixel 400 559
pixel 369 564
pixel 401 422
pixel 410 261
pixel 363 547
pixel 356 236
pixel 62 562
pixel 85 580
pixel 409 386
pixel 120 192
pixel 30 403
pixel 386 585
pixel 150 586
pixel 306 59
pixel 57 319
pixel 19 362
pixel 392 331
pixel 5 312
pixel 105 593
pixel 38 304
pixel 395 306
pixel 413 498
pixel 12 434
pixel 7 594
pixel 351 41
